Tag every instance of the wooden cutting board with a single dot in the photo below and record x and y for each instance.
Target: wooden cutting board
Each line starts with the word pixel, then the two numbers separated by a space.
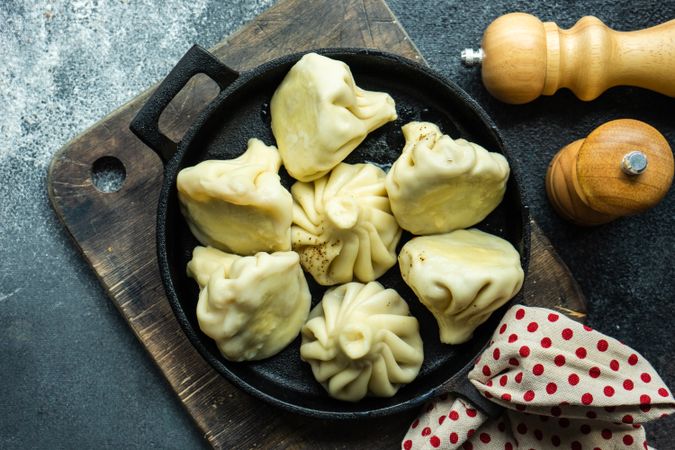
pixel 116 230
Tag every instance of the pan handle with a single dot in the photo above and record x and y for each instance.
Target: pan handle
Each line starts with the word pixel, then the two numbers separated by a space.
pixel 460 385
pixel 146 123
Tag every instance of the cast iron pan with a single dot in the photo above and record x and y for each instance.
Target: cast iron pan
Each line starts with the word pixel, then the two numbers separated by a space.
pixel 240 112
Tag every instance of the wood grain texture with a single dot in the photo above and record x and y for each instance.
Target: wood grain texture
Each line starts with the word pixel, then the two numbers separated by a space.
pixel 115 231
pixel 525 58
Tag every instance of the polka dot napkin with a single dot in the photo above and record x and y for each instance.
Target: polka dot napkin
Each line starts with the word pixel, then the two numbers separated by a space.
pixel 562 384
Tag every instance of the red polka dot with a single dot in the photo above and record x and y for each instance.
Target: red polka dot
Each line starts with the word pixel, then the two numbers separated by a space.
pixel 501 427
pixel 506 397
pixel 581 353
pixel 539 435
pixel 559 360
pixel 645 377
pixel 485 438
pixel 551 388
pixel 632 359
pixel 520 313
pixel 628 439
pixel 524 351
pixel 532 327
pixel 426 431
pixel 454 415
pixel 556 411
pixel 471 412
pixel 470 432
pixel 587 328
pixel 546 342
pixel 467 446
pixel 645 407
pixel 522 428
pixel 564 422
pixel 594 372
pixel 415 423
pixel 441 420
pixel 591 414
pixel 553 317
pixel 567 334
pixel 607 434
pixel 608 391
pixel 508 446
pixel 489 383
pixel 514 362
pixel 576 445
pixel 528 396
pixel 503 380
pixel 502 329
pixel 454 437
pixel 487 394
pixel 496 354
pixel 573 379
pixel 614 365
pixel 609 408
pixel 486 371
pixel 519 377
pixel 602 345
pixel 587 399
pixel 435 441
pixel 585 428
pixel 663 392
pixel 407 444
pixel 628 385
pixel 627 419
pixel 555 440
pixel 513 338
pixel 538 369
pixel 521 407
pixel 645 399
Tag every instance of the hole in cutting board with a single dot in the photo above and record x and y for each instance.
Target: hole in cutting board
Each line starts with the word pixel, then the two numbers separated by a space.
pixel 108 174
pixel 188 103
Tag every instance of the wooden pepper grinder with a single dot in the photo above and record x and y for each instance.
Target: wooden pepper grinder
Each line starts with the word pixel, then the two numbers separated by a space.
pixel 622 168
pixel 523 58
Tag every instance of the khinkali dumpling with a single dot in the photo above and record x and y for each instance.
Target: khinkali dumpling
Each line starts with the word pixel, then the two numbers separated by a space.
pixel 361 340
pixel 439 184
pixel 252 306
pixel 319 115
pixel 238 205
pixel 342 225
pixel 461 277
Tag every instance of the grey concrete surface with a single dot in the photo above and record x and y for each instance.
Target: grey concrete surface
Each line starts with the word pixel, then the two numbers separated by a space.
pixel 72 375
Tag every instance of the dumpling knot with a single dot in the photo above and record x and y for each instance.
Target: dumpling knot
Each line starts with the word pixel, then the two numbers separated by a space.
pixel 342 212
pixel 355 340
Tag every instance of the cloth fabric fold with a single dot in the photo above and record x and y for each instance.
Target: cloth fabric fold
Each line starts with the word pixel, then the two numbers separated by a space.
pixel 562 384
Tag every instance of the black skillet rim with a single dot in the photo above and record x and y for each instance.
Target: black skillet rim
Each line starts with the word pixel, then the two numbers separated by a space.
pixel 170 174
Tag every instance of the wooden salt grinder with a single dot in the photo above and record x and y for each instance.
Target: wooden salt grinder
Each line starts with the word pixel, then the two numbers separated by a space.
pixel 622 168
pixel 523 58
